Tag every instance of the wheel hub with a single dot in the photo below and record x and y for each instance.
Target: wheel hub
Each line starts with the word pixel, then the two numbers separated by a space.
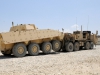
pixel 20 50
pixel 48 47
pixel 56 45
pixel 70 47
pixel 34 49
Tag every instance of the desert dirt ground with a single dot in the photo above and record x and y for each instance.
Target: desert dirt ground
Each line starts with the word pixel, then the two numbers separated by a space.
pixel 83 62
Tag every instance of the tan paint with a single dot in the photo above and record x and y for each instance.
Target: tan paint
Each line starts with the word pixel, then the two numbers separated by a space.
pixel 26 42
pixel 30 33
pixel 27 33
pixel 9 46
pixel 94 38
pixel 78 36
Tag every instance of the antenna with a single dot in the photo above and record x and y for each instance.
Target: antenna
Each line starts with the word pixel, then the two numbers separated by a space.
pixel 76 23
pixel 88 23
pixel 81 28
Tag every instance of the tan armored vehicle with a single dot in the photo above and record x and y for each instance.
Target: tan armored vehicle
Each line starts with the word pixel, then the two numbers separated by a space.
pixel 79 40
pixel 23 38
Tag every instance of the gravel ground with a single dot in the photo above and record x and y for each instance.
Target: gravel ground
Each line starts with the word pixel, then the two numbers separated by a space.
pixel 84 62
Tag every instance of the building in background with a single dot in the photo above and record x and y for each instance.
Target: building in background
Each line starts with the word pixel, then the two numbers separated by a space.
pixel 98 43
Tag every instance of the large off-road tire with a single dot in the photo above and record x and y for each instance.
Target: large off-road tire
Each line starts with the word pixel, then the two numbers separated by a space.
pixel 64 47
pixel 76 46
pixel 91 45
pixel 6 53
pixel 33 49
pixel 69 47
pixel 87 45
pixel 19 50
pixel 46 47
pixel 56 45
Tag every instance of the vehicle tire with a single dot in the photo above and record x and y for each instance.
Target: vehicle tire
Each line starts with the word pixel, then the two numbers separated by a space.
pixel 91 45
pixel 33 49
pixel 6 53
pixel 76 46
pixel 69 47
pixel 64 48
pixel 19 50
pixel 87 45
pixel 56 45
pixel 46 47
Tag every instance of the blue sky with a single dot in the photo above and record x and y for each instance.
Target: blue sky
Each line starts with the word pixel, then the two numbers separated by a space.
pixel 53 14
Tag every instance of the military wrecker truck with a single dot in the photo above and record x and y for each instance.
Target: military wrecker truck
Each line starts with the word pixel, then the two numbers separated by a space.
pixel 79 40
pixel 25 38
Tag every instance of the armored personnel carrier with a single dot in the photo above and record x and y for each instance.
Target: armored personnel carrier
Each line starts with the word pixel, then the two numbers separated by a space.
pixel 23 38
